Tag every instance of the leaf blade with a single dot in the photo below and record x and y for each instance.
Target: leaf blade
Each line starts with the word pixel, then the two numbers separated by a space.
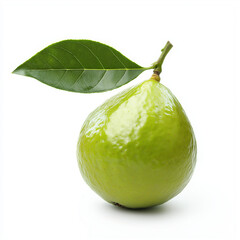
pixel 80 66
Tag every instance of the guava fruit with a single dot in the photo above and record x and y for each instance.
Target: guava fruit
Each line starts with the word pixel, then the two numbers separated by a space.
pixel 138 149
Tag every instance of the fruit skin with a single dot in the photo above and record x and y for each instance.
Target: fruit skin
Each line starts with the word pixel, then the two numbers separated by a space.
pixel 138 149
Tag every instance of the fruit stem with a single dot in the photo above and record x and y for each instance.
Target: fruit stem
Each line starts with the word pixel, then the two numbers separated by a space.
pixel 158 65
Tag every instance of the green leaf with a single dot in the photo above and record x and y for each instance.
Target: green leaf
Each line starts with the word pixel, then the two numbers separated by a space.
pixel 80 66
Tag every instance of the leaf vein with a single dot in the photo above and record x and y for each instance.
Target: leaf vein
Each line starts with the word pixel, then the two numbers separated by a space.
pixel 120 78
pixel 78 78
pixel 59 80
pixel 100 79
pixel 71 54
pixel 92 53
pixel 117 58
pixel 55 58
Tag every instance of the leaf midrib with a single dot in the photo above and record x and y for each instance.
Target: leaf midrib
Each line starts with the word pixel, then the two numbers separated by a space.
pixel 86 69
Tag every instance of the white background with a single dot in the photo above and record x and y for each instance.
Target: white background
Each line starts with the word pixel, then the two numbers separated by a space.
pixel 42 193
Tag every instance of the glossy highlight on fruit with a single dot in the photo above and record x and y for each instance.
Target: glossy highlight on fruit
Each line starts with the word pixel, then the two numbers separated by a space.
pixel 138 149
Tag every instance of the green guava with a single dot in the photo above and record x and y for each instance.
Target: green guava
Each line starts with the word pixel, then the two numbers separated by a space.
pixel 138 149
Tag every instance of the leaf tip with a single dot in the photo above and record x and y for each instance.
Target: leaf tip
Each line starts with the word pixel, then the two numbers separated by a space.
pixel 17 71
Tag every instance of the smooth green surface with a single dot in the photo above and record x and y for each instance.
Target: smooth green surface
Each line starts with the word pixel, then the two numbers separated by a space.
pixel 138 149
pixel 80 66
